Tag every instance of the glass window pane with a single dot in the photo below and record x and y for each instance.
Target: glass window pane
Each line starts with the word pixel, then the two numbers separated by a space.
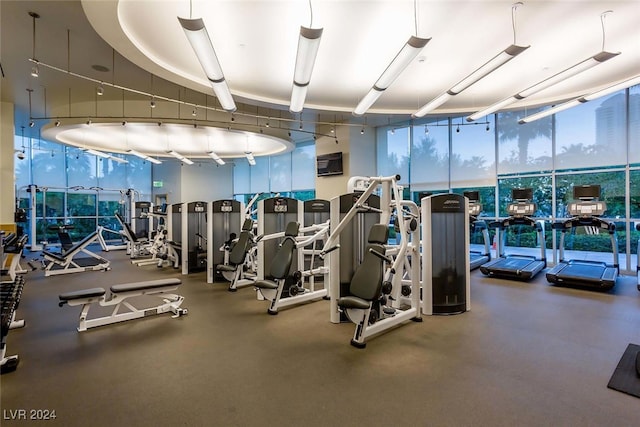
pixel 241 177
pixel 634 124
pixel 612 191
pixel 592 134
pixel 634 193
pixel 303 167
pixel 487 199
pixel 81 168
pixel 81 204
pixel 541 186
pixel 523 148
pixel 54 204
pixel 430 158
pixel 281 172
pixel 112 175
pixel 48 166
pixel 138 172
pixel 393 153
pixel 473 155
pixel 22 171
pixel 260 175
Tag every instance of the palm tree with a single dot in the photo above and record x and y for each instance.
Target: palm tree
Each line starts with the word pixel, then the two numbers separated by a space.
pixel 509 129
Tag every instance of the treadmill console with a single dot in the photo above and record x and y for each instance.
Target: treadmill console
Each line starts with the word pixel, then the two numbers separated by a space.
pixel 587 208
pixel 520 209
pixel 475 208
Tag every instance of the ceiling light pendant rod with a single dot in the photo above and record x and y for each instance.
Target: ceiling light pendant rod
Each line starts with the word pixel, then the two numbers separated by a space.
pixel 582 99
pixel 409 51
pixel 484 70
pixel 35 71
pixel 200 41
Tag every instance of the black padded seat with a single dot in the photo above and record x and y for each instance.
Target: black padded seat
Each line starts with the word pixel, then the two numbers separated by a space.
pixel 85 293
pixel 54 255
pixel 353 302
pixel 149 284
pixel 266 284
pixel 225 267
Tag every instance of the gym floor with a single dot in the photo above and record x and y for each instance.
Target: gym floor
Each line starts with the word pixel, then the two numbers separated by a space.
pixel 527 354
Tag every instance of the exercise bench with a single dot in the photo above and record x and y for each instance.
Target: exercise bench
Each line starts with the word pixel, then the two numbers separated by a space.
pixel 118 296
pixel 65 263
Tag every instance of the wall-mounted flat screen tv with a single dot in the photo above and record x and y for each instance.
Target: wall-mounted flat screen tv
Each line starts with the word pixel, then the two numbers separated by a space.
pixel 329 164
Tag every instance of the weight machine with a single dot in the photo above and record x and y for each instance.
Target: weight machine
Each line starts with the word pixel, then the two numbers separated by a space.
pixel 376 306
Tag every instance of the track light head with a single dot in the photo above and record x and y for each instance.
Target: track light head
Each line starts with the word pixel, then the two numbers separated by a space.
pixel 194 113
pixel 88 122
pixel 458 129
pixel 100 91
pixel 362 131
pixel 487 128
pixel 124 123
pixel 32 124
pixel 152 104
pixel 35 71
pixel 57 123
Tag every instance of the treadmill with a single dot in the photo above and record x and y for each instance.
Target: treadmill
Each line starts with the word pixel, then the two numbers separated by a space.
pixel 477 258
pixel 593 275
pixel 518 267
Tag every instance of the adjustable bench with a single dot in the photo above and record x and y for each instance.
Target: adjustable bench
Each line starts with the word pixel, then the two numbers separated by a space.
pixel 65 263
pixel 117 297
pixel 137 247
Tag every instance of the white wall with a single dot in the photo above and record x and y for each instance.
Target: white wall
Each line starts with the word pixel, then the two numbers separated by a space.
pixel 204 180
pixel 358 158
pixel 7 186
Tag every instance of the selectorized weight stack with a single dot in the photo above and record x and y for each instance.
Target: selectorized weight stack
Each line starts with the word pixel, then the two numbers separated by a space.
pixel 194 230
pixel 224 218
pixel 141 222
pixel 445 254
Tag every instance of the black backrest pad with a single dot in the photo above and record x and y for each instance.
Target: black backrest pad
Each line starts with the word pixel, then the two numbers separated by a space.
pixel 239 251
pixel 130 234
pixel 379 233
pixel 281 262
pixel 366 282
pixel 247 225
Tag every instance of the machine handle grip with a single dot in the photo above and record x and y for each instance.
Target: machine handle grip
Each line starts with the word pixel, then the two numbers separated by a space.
pixel 381 256
pixel 331 249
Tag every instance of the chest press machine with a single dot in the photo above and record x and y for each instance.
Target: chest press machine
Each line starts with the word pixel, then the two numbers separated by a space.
pixel 118 298
pixel 378 298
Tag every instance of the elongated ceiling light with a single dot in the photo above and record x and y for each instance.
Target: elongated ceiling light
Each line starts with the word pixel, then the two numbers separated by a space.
pixel 409 51
pixel 308 44
pixel 581 100
pixel 250 158
pixel 215 158
pixel 104 155
pixel 179 156
pixel 144 156
pixel 490 66
pixel 487 68
pixel 197 35
pixel 584 65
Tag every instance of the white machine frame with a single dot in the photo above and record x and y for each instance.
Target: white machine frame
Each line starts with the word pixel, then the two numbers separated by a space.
pixel 117 298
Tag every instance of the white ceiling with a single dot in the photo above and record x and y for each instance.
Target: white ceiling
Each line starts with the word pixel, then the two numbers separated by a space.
pixel 256 41
pixel 256 44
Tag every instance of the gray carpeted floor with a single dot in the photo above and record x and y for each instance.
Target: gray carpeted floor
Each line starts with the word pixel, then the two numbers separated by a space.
pixel 527 354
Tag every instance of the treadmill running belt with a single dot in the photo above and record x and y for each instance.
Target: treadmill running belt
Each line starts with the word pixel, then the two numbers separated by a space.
pixel 512 263
pixel 582 271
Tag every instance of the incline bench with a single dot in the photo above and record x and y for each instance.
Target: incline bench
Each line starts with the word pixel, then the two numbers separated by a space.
pixel 65 263
pixel 118 296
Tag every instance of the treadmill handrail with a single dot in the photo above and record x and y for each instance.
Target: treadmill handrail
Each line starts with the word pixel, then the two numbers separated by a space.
pixel 574 222
pixel 512 220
